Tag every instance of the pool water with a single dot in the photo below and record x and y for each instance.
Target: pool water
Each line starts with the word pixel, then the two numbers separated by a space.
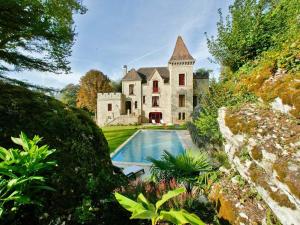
pixel 149 143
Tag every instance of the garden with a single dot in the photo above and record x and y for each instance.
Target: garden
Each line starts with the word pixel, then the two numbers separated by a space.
pixel 55 165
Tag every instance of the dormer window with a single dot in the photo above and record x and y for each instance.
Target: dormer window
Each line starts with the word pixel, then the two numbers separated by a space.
pixel 131 89
pixel 181 79
pixel 155 86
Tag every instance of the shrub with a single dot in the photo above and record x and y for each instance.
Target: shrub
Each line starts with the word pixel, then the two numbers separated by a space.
pixel 143 209
pixel 21 174
pixel 82 152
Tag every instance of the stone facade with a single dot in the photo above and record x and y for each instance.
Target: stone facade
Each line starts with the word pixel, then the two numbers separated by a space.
pixel 155 94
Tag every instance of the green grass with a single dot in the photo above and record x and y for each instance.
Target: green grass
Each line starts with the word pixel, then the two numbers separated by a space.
pixel 116 135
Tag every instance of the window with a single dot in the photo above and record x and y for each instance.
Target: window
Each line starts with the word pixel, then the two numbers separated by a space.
pixel 183 116
pixel 181 79
pixel 135 104
pixel 181 100
pixel 155 86
pixel 144 99
pixel 155 101
pixel 131 89
pixel 195 101
pixel 109 107
pixel 179 116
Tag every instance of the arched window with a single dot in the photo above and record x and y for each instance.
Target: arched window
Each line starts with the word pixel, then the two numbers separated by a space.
pixel 135 104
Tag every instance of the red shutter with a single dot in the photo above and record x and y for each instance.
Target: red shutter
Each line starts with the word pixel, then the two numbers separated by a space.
pixel 181 79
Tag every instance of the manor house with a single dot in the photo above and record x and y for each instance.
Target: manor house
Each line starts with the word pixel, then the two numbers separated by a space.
pixel 155 94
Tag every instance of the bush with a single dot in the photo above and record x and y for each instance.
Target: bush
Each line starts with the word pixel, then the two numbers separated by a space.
pixel 21 174
pixel 84 166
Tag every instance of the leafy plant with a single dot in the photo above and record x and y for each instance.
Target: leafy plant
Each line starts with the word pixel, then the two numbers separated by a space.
pixel 21 172
pixel 185 167
pixel 143 209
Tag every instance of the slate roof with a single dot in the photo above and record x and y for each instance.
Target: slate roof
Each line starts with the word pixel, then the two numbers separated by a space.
pixel 132 75
pixel 147 72
pixel 180 51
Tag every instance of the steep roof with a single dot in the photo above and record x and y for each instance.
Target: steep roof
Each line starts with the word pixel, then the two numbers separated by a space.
pixel 132 75
pixel 180 51
pixel 147 72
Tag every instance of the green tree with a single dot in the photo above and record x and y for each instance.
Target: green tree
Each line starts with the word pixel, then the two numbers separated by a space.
pixel 91 83
pixel 69 94
pixel 37 34
pixel 252 28
pixel 203 72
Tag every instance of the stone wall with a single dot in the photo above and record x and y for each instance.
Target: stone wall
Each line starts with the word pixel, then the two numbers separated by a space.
pixel 117 101
pixel 264 147
pixel 176 69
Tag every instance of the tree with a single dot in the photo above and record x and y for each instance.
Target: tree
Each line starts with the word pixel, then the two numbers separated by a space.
pixel 117 85
pixel 37 34
pixel 91 83
pixel 204 72
pixel 69 94
pixel 252 28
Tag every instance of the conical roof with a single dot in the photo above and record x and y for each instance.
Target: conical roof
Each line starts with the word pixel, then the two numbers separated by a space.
pixel 180 51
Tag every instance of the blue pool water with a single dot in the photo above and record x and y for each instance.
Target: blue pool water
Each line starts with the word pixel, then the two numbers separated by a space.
pixel 149 143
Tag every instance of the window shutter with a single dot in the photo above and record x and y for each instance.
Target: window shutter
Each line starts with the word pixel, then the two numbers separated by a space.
pixel 181 79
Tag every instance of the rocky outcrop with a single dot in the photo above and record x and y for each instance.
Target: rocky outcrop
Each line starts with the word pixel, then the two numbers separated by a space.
pixel 264 147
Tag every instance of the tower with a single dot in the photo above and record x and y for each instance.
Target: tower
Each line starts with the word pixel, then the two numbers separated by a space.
pixel 181 66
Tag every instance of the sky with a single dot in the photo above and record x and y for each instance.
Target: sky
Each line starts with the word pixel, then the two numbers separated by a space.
pixel 136 33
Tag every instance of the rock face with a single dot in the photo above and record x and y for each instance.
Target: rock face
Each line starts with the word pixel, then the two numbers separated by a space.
pixel 264 147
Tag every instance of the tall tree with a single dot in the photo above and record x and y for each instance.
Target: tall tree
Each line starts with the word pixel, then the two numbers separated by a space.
pixel 69 94
pixel 37 34
pixel 91 83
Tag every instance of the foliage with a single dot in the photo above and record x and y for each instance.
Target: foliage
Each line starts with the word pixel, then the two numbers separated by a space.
pixel 252 28
pixel 204 128
pixel 116 85
pixel 203 72
pixel 69 94
pixel 185 167
pixel 37 34
pixel 80 147
pixel 91 83
pixel 143 209
pixel 21 173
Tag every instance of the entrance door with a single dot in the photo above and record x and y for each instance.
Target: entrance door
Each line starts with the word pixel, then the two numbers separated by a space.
pixel 128 106
pixel 157 116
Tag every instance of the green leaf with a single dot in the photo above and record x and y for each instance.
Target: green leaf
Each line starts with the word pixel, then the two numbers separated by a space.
pixel 169 195
pixel 1 211
pixel 180 217
pixel 143 214
pixel 128 204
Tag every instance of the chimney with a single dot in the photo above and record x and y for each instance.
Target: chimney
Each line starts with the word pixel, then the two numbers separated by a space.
pixel 124 70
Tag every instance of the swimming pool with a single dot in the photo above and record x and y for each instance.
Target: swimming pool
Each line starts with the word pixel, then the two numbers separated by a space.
pixel 148 143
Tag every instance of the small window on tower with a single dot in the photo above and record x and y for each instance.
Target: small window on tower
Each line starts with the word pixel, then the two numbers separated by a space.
pixel 144 99
pixel 109 107
pixel 135 104
pixel 181 79
pixel 181 100
pixel 131 89
pixel 179 116
pixel 183 116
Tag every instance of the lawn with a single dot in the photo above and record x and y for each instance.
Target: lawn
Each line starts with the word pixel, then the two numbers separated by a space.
pixel 116 135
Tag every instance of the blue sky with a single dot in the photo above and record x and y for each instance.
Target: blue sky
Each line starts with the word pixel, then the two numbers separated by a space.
pixel 137 33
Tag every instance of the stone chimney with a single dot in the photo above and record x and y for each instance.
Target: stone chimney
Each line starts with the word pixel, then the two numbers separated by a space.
pixel 124 70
